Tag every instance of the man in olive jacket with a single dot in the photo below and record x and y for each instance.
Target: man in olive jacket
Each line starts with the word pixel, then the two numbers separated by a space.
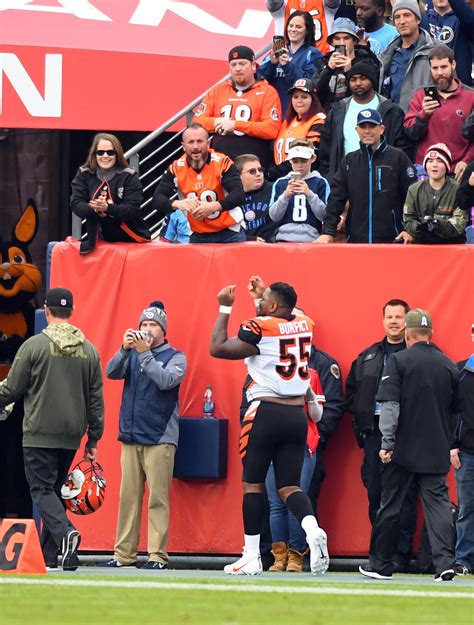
pixel 57 373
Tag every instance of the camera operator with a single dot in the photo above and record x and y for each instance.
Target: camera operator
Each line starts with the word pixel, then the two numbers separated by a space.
pixel 430 213
pixel 153 371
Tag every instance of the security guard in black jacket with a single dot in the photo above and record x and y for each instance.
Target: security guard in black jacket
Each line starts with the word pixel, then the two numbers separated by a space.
pixel 361 389
pixel 420 398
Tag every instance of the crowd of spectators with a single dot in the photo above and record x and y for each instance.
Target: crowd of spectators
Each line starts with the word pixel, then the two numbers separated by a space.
pixel 350 125
pixel 380 103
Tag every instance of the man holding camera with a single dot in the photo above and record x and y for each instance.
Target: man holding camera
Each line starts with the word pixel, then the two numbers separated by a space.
pixel 430 213
pixel 153 371
pixel 438 112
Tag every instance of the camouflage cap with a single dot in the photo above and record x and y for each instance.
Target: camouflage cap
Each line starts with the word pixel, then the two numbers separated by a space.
pixel 418 318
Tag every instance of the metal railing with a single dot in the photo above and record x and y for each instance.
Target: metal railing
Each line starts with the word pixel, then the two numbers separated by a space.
pixel 151 156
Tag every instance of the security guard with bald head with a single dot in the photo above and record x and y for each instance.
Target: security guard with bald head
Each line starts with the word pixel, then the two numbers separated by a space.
pixel 420 397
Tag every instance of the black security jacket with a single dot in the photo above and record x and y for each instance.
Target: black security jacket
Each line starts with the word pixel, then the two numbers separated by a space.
pixel 362 384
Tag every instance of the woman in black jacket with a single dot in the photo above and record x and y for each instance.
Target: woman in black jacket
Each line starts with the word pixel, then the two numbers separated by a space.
pixel 107 193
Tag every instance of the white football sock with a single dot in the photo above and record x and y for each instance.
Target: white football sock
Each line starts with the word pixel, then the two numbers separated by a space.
pixel 252 543
pixel 310 525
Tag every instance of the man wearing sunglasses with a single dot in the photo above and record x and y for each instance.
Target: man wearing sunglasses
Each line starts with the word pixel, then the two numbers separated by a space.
pixel 257 223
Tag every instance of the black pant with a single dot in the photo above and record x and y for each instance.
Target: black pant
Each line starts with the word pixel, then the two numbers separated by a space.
pixel 46 471
pixel 371 473
pixel 273 433
pixel 265 531
pixel 396 480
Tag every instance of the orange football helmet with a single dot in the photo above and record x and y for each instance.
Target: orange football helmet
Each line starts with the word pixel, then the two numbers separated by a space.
pixel 84 489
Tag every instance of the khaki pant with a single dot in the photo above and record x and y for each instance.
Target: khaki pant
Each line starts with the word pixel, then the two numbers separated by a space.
pixel 153 463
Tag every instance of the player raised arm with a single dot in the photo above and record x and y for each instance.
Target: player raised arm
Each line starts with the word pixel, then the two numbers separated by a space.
pixel 221 345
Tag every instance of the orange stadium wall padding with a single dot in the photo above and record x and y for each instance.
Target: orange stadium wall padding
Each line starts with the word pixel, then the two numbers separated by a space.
pixel 342 287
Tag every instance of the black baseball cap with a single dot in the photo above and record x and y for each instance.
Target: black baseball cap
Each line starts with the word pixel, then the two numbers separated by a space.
pixel 241 52
pixel 59 298
pixel 303 84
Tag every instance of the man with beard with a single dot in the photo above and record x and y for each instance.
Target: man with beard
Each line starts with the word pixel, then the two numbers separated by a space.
pixel 244 113
pixel 370 17
pixel 209 190
pixel 439 119
pixel 339 135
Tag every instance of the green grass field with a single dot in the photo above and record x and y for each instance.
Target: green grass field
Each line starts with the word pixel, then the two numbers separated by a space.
pixel 81 599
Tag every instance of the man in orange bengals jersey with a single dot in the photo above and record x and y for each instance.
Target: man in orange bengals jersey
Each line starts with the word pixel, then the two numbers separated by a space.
pixel 243 112
pixel 322 12
pixel 209 190
pixel 276 346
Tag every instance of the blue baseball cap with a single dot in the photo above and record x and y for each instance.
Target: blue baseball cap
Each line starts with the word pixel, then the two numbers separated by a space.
pixel 369 115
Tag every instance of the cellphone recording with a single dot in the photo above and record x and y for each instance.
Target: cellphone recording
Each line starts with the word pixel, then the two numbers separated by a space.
pixel 139 335
pixel 431 92
pixel 294 175
pixel 340 48
pixel 278 45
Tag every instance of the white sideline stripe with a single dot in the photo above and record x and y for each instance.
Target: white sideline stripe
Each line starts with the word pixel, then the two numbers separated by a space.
pixel 300 590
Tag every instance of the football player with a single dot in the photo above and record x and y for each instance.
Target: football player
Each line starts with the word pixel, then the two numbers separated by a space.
pixel 276 345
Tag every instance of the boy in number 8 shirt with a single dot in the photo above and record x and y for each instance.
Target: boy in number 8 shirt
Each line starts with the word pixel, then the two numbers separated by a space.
pixel 276 345
pixel 298 202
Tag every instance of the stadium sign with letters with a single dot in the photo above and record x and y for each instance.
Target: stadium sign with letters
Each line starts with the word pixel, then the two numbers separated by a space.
pixel 121 64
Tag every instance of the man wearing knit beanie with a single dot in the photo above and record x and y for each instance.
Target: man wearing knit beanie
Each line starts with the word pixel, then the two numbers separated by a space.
pixel 148 429
pixel 364 69
pixel 405 61
pixel 430 213
pixel 409 5
pixel 339 136
pixel 156 313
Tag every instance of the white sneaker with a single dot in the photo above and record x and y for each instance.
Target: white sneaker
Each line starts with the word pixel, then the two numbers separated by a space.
pixel 319 557
pixel 248 564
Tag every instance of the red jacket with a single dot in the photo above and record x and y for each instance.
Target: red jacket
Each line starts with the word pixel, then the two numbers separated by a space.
pixel 312 439
pixel 444 126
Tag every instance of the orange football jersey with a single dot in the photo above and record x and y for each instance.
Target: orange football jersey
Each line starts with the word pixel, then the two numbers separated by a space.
pixel 296 130
pixel 206 185
pixel 256 111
